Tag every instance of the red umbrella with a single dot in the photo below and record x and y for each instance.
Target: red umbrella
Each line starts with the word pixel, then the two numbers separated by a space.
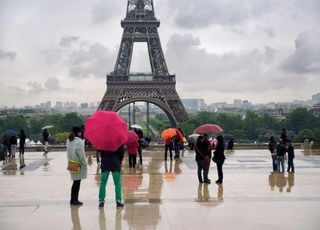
pixel 132 138
pixel 106 130
pixel 208 128
pixel 180 135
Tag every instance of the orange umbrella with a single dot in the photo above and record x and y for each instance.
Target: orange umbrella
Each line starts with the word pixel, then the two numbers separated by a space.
pixel 168 133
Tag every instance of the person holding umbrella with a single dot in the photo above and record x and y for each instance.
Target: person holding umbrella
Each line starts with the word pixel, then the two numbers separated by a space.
pixel 75 152
pixel 111 162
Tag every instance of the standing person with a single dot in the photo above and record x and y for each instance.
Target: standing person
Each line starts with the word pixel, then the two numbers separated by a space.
pixel 132 153
pixel 176 144
pixel 202 160
pixel 168 146
pixel 272 148
pixel 45 139
pixel 111 162
pixel 290 152
pixel 22 143
pixel 75 152
pixel 219 158
pixel 281 151
pixel 284 136
pixel 13 146
pixel 140 142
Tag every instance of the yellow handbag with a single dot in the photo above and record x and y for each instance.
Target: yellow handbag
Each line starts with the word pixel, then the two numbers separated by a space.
pixel 73 166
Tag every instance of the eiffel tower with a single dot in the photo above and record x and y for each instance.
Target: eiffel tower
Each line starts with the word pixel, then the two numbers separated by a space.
pixel 157 87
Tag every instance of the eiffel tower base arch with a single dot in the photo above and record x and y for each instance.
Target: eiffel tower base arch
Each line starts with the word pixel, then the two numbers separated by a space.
pixel 164 96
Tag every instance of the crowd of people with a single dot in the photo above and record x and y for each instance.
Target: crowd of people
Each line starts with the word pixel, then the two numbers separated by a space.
pixel 278 151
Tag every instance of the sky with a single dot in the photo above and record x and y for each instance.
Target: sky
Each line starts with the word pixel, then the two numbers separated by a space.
pixel 220 50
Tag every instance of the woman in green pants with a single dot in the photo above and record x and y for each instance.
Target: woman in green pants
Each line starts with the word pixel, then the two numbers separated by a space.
pixel 111 162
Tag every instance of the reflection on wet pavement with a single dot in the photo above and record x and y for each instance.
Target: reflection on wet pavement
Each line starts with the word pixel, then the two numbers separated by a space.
pixel 34 194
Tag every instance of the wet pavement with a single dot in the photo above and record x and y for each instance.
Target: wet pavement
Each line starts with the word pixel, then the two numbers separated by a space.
pixel 34 194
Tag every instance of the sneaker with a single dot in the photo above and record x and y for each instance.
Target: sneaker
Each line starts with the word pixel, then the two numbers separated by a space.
pixel 119 205
pixel 218 182
pixel 101 204
pixel 207 182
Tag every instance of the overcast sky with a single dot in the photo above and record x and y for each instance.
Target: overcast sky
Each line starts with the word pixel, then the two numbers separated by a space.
pixel 220 50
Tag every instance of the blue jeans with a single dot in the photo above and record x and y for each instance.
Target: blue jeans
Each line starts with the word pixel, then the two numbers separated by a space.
pixel 202 168
pixel 280 161
pixel 274 162
pixel 290 165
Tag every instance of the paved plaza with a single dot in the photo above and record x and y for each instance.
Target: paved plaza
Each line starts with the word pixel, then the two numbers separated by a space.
pixel 164 195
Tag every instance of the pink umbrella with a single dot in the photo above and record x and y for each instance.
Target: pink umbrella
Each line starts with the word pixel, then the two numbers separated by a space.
pixel 132 139
pixel 106 130
pixel 208 128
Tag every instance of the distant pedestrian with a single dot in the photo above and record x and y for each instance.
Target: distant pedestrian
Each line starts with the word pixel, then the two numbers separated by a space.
pixel 272 148
pixel 291 156
pixel 13 146
pixel 22 143
pixel 219 158
pixel 132 154
pixel 168 147
pixel 75 152
pixel 45 139
pixel 140 142
pixel 176 146
pixel 283 136
pixel 111 162
pixel 281 151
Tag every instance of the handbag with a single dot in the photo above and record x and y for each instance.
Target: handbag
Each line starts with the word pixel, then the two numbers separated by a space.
pixel 73 166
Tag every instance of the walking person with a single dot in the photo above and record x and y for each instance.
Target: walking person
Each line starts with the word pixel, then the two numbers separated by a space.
pixel 203 160
pixel 272 148
pixel 219 158
pixel 168 146
pixel 281 151
pixel 290 152
pixel 45 139
pixel 111 162
pixel 75 152
pixel 22 143
pixel 132 154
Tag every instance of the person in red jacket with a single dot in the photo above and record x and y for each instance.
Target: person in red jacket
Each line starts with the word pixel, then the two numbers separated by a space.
pixel 132 152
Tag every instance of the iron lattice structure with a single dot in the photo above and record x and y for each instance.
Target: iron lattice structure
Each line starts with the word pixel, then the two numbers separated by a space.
pixel 157 87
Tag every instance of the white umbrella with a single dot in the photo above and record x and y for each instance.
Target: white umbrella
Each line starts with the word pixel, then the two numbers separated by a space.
pixel 136 126
pixel 47 127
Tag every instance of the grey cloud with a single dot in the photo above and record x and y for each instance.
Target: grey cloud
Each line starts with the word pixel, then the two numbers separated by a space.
pixel 93 61
pixel 66 41
pixel 196 68
pixel 35 87
pixel 199 14
pixel 105 10
pixel 306 57
pixel 11 55
pixel 52 84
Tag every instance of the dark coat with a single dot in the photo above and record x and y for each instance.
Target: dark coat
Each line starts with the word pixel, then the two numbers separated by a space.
pixel 290 152
pixel 45 135
pixel 219 153
pixel 111 161
pixel 281 149
pixel 202 150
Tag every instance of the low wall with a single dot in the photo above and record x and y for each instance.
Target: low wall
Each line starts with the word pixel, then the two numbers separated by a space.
pixel 159 147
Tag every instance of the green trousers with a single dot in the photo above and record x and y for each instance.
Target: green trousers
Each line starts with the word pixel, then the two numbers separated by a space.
pixel 117 183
